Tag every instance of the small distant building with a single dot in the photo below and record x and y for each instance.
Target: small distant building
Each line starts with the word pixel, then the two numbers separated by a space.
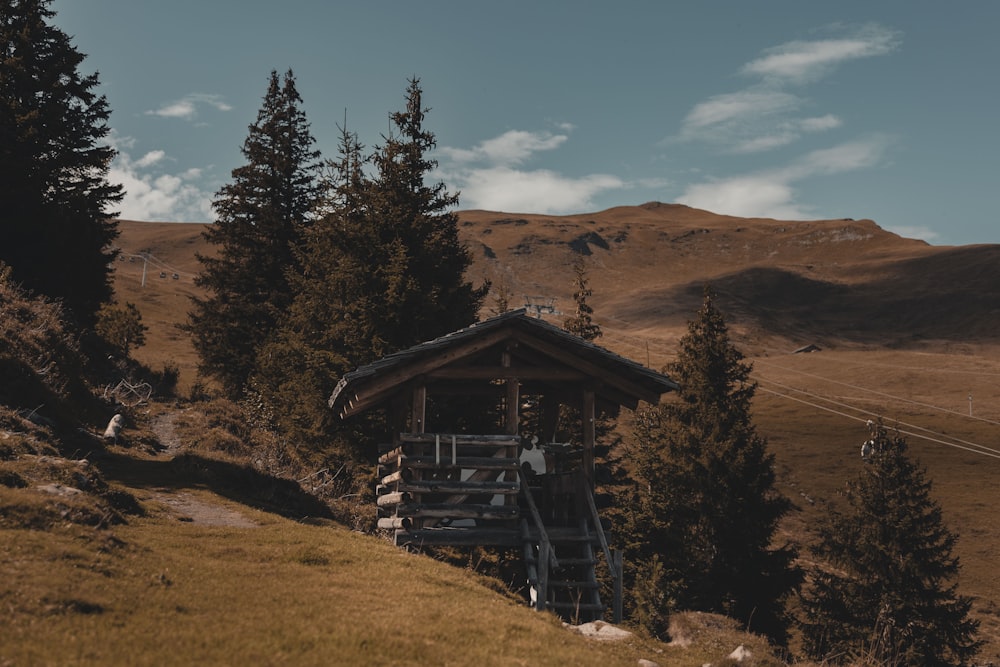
pixel 811 347
pixel 441 485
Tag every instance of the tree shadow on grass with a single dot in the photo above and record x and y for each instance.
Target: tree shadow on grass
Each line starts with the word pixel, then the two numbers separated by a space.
pixel 237 482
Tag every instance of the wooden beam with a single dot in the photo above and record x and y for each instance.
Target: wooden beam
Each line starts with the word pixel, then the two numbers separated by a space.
pixel 417 424
pixel 506 537
pixel 591 369
pixel 511 419
pixel 589 434
pixel 551 373
pixel 449 511
pixel 376 390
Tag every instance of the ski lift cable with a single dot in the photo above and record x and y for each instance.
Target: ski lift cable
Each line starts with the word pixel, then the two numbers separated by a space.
pixel 861 419
pixel 881 393
pixel 875 414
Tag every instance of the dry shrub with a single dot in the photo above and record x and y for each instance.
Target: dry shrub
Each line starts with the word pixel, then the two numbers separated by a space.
pixel 40 358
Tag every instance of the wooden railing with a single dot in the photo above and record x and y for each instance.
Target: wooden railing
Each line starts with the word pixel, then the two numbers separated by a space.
pixel 431 480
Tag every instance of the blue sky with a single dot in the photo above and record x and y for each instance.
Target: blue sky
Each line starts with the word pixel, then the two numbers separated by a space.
pixel 795 110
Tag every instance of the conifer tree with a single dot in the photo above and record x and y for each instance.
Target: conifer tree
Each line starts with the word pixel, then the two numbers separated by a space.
pixel 383 269
pixel 427 293
pixel 262 216
pixel 327 328
pixel 888 594
pixel 582 322
pixel 705 500
pixel 56 228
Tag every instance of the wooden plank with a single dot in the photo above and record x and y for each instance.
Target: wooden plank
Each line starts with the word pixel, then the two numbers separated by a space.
pixel 467 488
pixel 394 498
pixel 461 462
pixel 629 388
pixel 581 606
pixel 391 456
pixel 419 406
pixel 462 439
pixel 589 435
pixel 550 373
pixel 391 523
pixel 398 476
pixel 377 390
pixel 469 511
pixel 459 537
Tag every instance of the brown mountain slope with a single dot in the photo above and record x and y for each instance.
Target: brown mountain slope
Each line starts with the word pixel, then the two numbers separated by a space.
pixel 834 281
pixel 909 332
pixel 781 283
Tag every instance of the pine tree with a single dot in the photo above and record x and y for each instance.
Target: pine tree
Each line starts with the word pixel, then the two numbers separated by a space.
pixel 582 322
pixel 57 229
pixel 888 594
pixel 384 269
pixel 705 499
pixel 427 294
pixel 327 329
pixel 262 216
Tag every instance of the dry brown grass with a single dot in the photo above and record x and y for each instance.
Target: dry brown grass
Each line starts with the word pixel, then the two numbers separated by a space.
pixel 918 323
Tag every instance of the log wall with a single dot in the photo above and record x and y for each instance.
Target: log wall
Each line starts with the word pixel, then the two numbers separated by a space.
pixel 445 488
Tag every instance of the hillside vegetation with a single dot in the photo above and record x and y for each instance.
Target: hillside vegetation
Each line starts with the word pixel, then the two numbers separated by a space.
pixel 906 331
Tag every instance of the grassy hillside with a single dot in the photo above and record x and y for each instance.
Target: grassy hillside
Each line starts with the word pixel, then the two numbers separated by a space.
pixel 907 331
pixel 210 569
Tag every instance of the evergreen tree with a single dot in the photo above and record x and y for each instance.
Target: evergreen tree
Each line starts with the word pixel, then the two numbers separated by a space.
pixel 888 595
pixel 384 269
pixel 705 501
pixel 582 322
pixel 426 293
pixel 57 229
pixel 327 327
pixel 262 216
pixel 501 296
pixel 121 327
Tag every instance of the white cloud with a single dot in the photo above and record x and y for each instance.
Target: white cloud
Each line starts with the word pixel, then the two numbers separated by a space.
pixel 821 123
pixel 770 193
pixel 489 178
pixel 845 157
pixel 538 191
pixel 510 148
pixel 763 116
pixel 752 196
pixel 802 61
pixel 725 110
pixel 152 196
pixel 186 108
pixel 150 158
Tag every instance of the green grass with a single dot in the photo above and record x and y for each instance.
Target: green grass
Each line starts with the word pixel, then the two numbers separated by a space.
pixel 163 592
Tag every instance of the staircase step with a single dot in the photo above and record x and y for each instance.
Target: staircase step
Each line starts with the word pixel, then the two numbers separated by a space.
pixel 581 606
pixel 562 535
pixel 590 585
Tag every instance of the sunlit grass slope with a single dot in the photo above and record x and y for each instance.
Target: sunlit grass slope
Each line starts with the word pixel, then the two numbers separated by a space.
pixel 163 592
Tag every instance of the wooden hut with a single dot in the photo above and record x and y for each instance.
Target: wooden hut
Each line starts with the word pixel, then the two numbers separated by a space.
pixel 512 483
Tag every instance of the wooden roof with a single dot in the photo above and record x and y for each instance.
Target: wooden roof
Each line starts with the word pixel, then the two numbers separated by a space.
pixel 539 353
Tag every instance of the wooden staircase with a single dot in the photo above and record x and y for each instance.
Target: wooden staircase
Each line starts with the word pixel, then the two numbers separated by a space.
pixel 567 583
pixel 561 560
pixel 470 490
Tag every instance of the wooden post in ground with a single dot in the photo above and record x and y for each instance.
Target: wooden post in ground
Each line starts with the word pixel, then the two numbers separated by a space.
pixel 589 435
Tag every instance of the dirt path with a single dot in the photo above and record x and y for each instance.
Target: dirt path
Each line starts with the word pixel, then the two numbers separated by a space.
pixel 184 505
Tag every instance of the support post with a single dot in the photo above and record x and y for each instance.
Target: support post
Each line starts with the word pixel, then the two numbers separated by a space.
pixel 589 434
pixel 419 409
pixel 616 608
pixel 543 575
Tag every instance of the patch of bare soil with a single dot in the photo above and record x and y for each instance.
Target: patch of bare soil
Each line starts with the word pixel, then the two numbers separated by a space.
pixel 186 506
